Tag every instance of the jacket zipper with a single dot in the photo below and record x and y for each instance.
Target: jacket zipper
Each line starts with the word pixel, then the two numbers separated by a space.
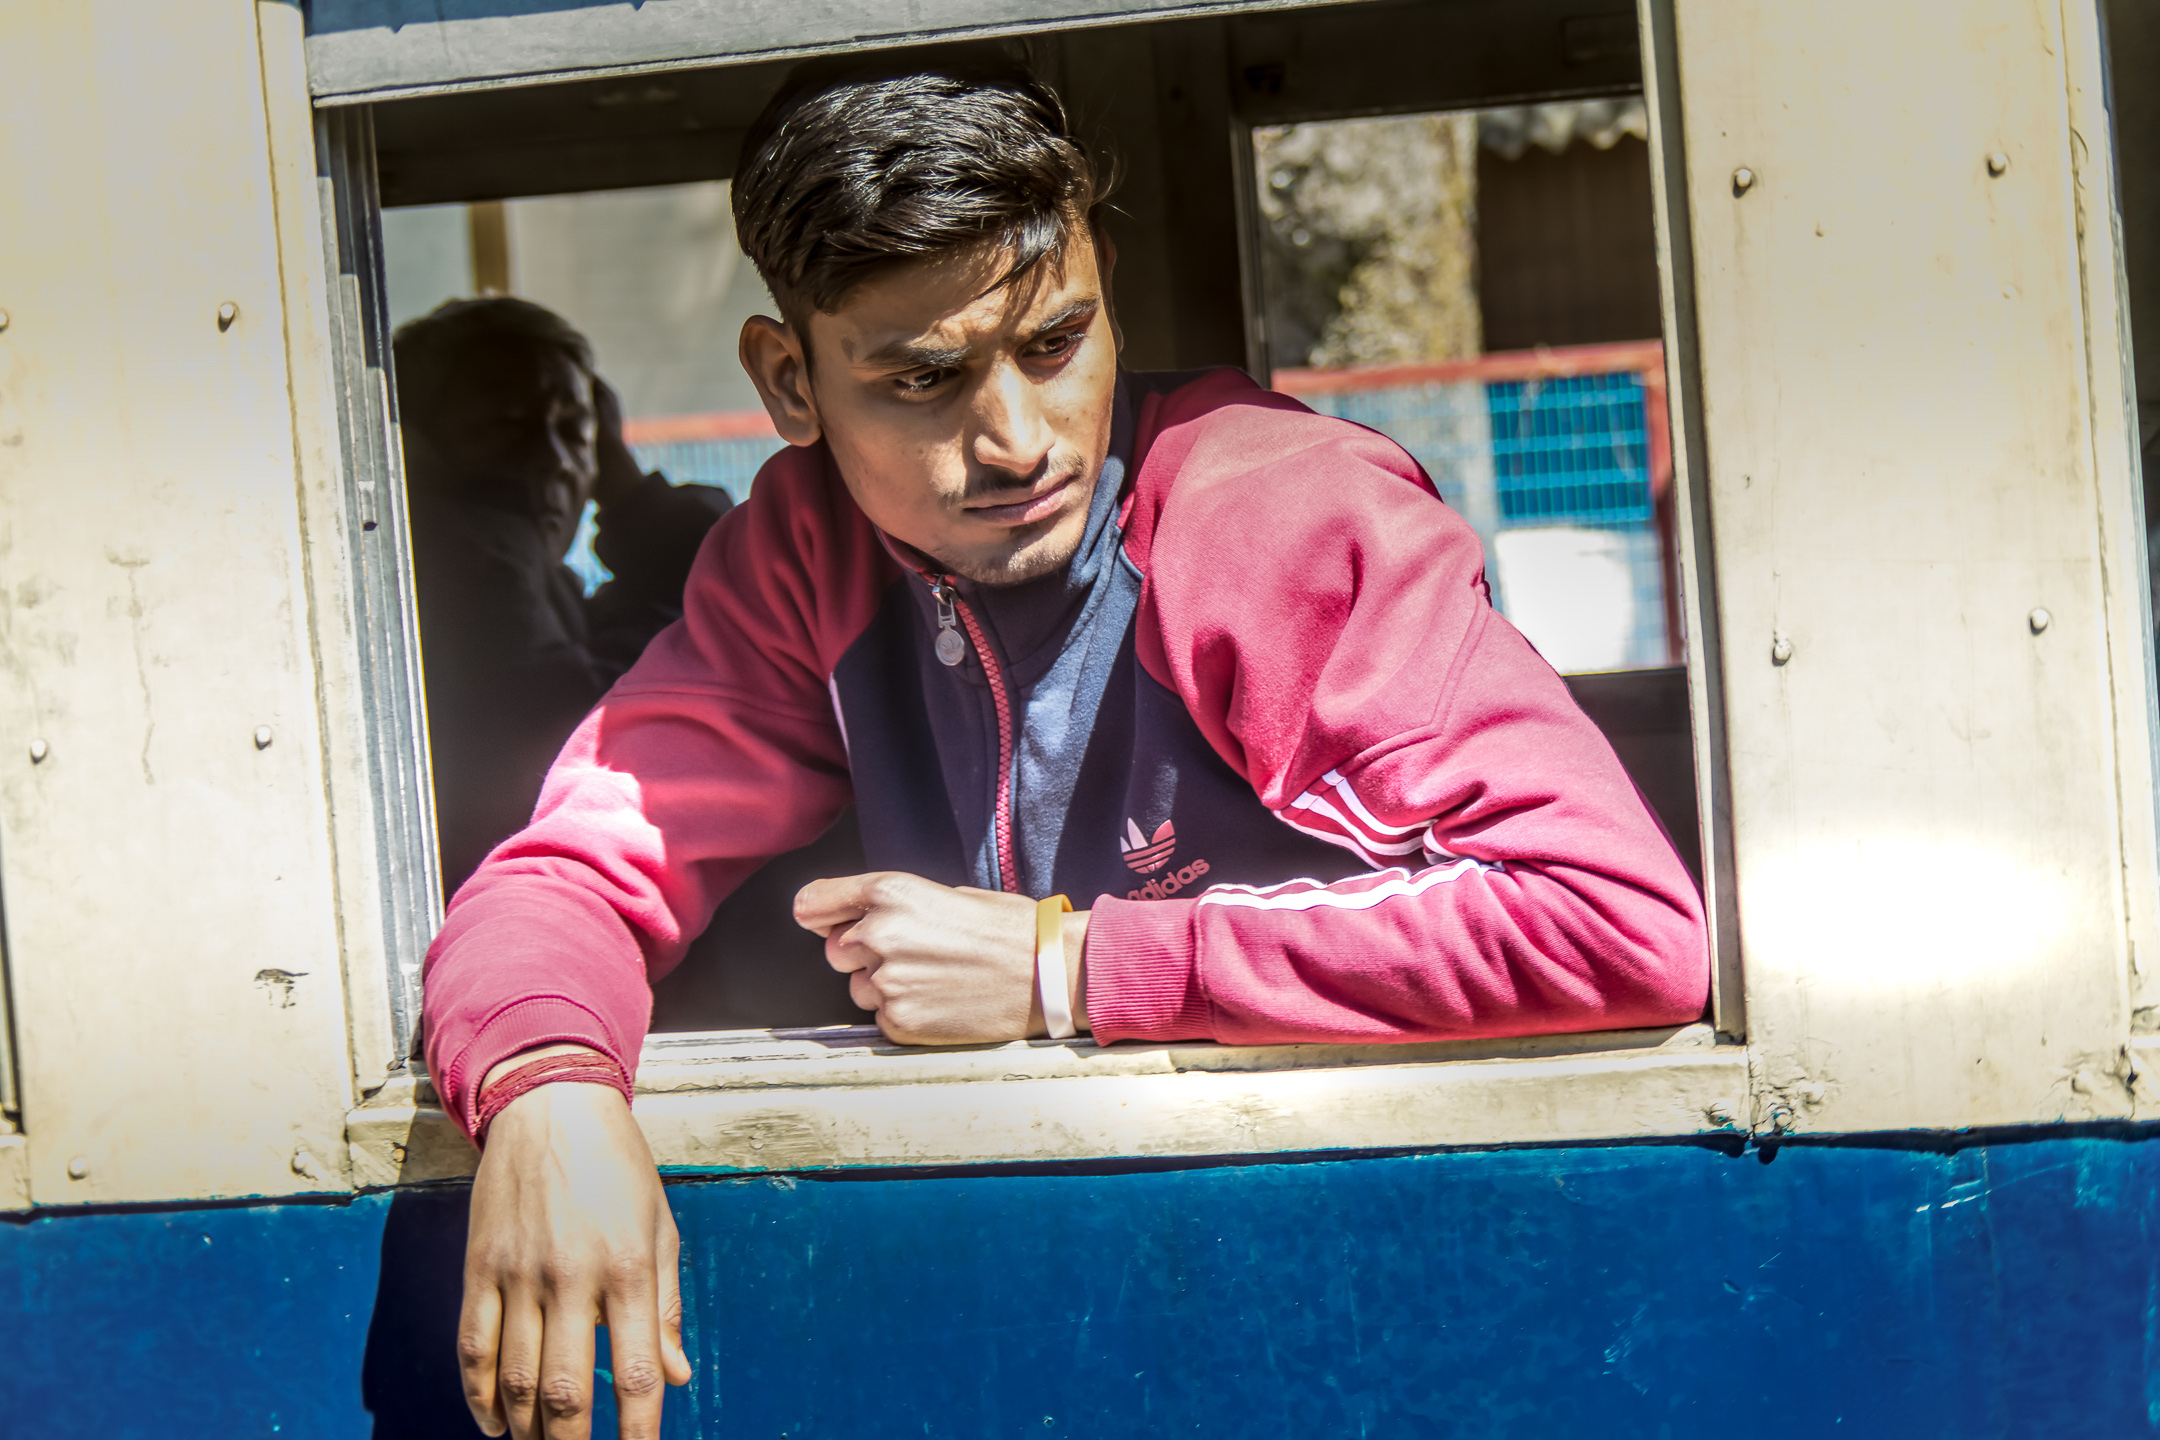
pixel 949 606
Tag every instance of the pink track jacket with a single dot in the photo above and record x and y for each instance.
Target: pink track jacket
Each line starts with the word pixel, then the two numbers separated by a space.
pixel 1268 729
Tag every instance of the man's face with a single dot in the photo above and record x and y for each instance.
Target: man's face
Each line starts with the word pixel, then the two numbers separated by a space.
pixel 971 423
pixel 516 428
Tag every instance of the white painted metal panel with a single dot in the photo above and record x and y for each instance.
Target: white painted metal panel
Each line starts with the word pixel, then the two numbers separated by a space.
pixel 1900 447
pixel 373 49
pixel 168 870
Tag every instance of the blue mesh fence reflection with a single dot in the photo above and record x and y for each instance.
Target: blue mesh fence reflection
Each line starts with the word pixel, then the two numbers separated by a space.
pixel 729 464
pixel 1571 451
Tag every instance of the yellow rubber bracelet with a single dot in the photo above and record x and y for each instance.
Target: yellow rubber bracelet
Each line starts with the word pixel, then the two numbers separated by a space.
pixel 1050 976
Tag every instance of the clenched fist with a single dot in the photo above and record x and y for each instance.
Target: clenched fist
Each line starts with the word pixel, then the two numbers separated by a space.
pixel 939 965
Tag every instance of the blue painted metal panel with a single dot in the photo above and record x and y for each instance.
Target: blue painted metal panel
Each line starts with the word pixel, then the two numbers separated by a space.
pixel 1656 1291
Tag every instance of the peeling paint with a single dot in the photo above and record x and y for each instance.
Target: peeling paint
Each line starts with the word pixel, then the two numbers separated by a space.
pixel 278 985
pixel 130 564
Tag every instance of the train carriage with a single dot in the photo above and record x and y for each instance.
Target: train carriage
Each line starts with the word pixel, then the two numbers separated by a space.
pixel 1899 706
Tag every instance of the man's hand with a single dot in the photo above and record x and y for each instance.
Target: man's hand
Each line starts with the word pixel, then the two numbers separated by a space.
pixel 617 472
pixel 940 966
pixel 569 1230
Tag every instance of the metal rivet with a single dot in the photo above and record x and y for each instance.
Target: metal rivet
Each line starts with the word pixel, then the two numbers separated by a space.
pixel 38 751
pixel 262 737
pixel 1718 1113
pixel 303 1164
pixel 78 1168
pixel 3 319
pixel 226 314
pixel 1781 1118
pixel 1780 649
pixel 1998 163
pixel 1743 180
pixel 2038 620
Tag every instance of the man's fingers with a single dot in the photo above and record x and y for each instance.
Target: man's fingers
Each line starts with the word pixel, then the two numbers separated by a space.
pixel 823 905
pixel 633 1321
pixel 517 1366
pixel 862 988
pixel 667 1270
pixel 564 1405
pixel 845 951
pixel 479 1331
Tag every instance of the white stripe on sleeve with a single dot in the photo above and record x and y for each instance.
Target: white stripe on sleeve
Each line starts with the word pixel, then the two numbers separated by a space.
pixel 1312 895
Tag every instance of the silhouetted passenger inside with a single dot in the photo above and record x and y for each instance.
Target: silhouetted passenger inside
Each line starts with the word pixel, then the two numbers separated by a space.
pixel 508 433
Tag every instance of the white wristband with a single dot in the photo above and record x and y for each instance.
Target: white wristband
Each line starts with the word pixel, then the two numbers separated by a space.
pixel 1051 981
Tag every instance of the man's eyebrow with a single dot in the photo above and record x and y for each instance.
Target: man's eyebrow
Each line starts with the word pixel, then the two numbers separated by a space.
pixel 915 355
pixel 1070 313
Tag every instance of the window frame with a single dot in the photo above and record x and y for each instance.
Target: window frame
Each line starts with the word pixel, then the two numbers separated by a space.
pixel 758 1099
pixel 398 829
pixel 790 1101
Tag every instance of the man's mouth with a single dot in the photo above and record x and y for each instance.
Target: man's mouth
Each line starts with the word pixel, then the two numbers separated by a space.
pixel 1040 504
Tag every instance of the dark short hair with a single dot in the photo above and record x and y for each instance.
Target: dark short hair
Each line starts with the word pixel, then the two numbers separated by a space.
pixel 428 351
pixel 847 173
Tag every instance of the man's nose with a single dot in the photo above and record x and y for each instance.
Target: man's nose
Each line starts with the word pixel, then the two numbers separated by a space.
pixel 563 454
pixel 1012 430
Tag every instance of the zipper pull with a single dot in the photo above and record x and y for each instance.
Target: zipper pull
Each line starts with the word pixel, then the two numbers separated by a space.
pixel 951 646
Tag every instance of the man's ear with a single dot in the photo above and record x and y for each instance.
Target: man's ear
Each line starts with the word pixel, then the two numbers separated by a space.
pixel 772 353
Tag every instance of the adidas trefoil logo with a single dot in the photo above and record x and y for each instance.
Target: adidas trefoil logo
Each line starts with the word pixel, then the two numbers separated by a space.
pixel 1144 855
pixel 1148 854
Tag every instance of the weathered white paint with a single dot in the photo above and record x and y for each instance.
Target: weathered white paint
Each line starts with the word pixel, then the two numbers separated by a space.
pixel 325 525
pixel 14 1173
pixel 757 1102
pixel 375 49
pixel 1896 380
pixel 171 913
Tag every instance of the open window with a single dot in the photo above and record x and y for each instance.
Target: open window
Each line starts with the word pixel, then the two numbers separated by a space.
pixel 1542 416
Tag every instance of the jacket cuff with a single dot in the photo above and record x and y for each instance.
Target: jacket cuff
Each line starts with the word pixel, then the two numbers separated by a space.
pixel 523 1025
pixel 1143 972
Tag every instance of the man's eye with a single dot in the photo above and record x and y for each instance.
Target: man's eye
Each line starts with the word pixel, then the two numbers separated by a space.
pixel 922 382
pixel 1056 346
